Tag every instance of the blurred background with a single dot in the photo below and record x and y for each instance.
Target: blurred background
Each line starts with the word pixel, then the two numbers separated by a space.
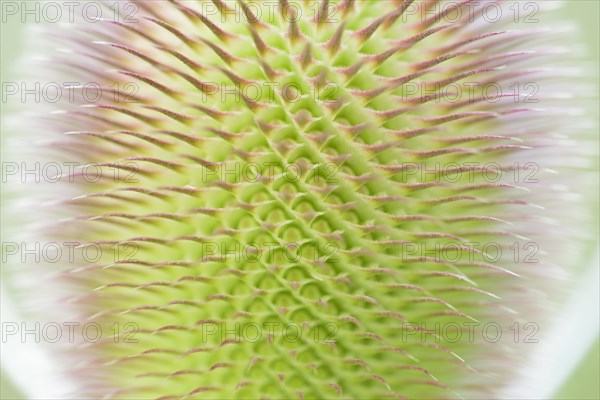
pixel 579 377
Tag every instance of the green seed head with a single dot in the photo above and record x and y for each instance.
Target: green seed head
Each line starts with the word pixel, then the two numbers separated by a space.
pixel 332 199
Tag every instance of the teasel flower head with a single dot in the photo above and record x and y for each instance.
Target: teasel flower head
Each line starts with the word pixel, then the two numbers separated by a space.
pixel 311 199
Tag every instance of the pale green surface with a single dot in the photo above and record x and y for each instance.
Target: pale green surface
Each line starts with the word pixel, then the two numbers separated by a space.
pixel 584 380
pixel 7 390
pixel 10 38
pixel 583 383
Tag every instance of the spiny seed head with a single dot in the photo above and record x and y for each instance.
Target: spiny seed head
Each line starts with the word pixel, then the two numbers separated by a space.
pixel 331 199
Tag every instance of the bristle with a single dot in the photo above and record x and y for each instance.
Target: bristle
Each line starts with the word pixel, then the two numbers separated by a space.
pixel 313 171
